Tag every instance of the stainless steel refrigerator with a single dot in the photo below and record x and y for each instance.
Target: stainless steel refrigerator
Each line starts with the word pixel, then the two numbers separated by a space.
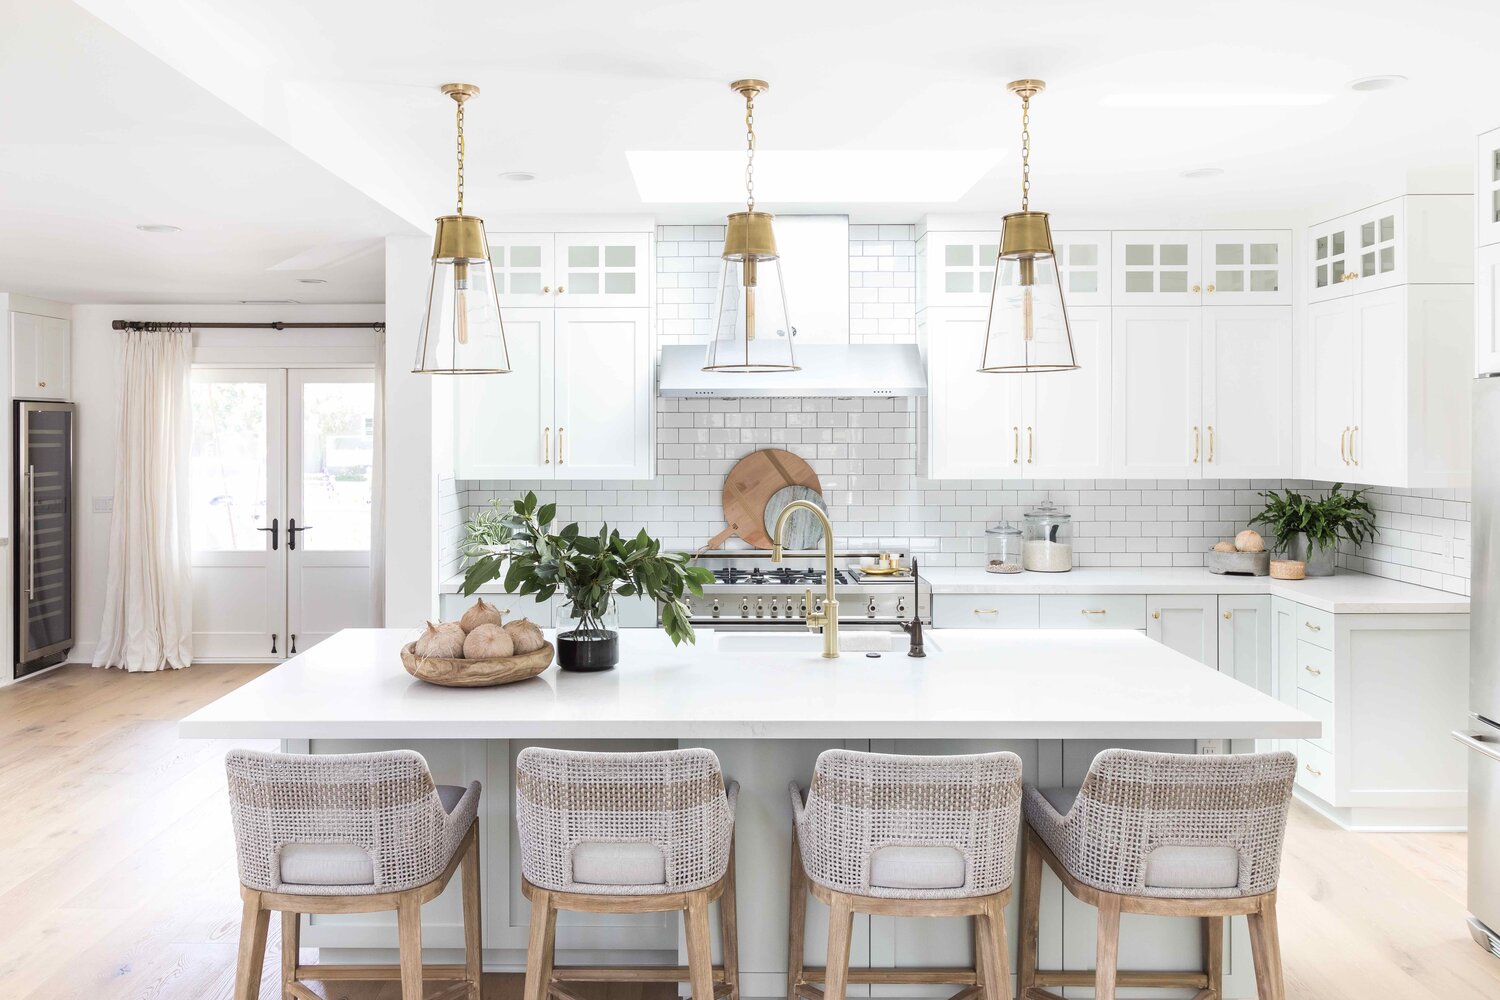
pixel 42 499
pixel 1483 735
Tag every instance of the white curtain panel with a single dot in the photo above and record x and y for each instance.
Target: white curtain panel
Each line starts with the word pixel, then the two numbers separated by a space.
pixel 148 606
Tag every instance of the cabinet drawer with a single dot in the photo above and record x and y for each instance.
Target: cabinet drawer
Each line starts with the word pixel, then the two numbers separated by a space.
pixel 984 611
pixel 1315 626
pixel 1098 611
pixel 1315 769
pixel 1322 710
pixel 1315 669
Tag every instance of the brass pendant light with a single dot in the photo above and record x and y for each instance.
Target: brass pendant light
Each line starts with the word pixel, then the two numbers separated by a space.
pixel 461 329
pixel 751 330
pixel 1028 327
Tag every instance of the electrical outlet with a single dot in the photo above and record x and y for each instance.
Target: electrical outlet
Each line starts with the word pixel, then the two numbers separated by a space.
pixel 1210 746
pixel 104 505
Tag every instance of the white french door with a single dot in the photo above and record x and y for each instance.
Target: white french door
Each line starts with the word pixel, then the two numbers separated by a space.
pixel 282 487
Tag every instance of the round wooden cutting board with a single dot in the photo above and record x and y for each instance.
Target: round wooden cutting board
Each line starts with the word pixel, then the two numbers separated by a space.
pixel 750 484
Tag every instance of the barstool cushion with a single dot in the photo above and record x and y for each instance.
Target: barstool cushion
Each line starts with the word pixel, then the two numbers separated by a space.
pixel 917 866
pixel 1193 866
pixel 619 862
pixel 325 864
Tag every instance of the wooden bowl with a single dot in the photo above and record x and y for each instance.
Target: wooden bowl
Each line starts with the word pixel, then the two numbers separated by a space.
pixel 475 673
pixel 1288 569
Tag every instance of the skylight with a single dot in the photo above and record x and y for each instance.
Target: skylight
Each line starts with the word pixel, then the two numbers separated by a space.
pixel 812 175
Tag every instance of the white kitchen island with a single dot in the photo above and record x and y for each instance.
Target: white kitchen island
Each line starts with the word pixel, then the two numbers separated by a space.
pixel 1055 697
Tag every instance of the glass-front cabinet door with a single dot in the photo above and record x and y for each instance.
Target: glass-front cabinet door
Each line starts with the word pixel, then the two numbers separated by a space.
pixel 1332 258
pixel 959 268
pixel 602 269
pixel 1487 188
pixel 1380 250
pixel 523 269
pixel 1083 264
pixel 1157 268
pixel 1247 268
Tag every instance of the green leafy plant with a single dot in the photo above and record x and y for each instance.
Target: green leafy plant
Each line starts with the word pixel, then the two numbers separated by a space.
pixel 485 531
pixel 1338 516
pixel 590 570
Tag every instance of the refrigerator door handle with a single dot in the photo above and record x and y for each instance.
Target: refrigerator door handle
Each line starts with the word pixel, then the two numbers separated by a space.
pixel 30 532
pixel 1479 743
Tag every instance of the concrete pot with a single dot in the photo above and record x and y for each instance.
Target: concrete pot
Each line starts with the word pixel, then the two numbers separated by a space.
pixel 1320 561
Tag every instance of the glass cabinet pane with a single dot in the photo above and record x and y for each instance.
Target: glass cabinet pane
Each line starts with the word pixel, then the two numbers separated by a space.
pixel 1265 253
pixel 1139 255
pixel 1139 281
pixel 1174 281
pixel 1367 234
pixel 958 256
pixel 619 256
pixel 1387 228
pixel 1229 253
pixel 526 256
pixel 1322 248
pixel 583 256
pixel 1338 243
pixel 1174 254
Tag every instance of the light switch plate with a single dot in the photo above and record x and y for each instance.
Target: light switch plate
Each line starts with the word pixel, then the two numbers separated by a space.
pixel 104 505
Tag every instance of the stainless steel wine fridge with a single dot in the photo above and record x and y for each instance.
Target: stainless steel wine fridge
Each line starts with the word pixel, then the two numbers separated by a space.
pixel 42 499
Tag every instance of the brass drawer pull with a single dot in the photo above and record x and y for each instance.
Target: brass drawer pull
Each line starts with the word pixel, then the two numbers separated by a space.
pixel 986 611
pixel 1313 771
pixel 1313 670
pixel 1094 611
pixel 1312 627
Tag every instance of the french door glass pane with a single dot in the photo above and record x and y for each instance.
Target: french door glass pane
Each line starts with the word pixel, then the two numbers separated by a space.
pixel 338 454
pixel 227 477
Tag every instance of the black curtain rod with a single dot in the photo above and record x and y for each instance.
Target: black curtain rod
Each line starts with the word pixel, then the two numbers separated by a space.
pixel 136 324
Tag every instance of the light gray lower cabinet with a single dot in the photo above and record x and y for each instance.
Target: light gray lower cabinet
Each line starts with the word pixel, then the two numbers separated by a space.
pixel 1186 623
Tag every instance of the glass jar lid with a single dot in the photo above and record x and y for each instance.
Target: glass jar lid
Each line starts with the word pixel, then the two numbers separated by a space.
pixel 1047 511
pixel 1003 528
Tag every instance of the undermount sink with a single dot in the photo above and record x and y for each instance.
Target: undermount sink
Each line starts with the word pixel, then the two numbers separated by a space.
pixel 811 642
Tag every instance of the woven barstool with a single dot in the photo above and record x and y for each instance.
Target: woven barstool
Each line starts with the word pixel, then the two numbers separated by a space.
pixel 907 837
pixel 350 833
pixel 627 833
pixel 1165 834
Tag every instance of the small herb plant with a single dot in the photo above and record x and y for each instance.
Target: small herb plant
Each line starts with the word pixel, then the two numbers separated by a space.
pixel 485 531
pixel 1338 516
pixel 589 569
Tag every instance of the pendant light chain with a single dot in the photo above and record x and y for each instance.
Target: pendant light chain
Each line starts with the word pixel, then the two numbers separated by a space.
pixel 460 157
pixel 749 150
pixel 1025 151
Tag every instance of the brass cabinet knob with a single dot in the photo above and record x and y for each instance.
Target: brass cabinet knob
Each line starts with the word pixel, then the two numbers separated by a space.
pixel 1210 288
pixel 559 289
pixel 1156 615
pixel 1228 615
pixel 1197 288
pixel 41 385
pixel 546 288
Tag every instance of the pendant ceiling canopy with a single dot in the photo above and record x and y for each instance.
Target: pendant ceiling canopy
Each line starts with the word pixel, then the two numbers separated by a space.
pixel 1028 323
pixel 461 330
pixel 752 332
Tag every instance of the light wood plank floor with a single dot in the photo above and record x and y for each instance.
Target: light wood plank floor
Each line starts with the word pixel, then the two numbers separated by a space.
pixel 117 873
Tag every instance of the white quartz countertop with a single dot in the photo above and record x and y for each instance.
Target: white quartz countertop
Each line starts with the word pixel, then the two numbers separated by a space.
pixel 981 684
pixel 1343 593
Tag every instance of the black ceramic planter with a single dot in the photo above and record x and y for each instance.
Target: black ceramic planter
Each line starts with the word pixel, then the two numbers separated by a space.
pixel 587 650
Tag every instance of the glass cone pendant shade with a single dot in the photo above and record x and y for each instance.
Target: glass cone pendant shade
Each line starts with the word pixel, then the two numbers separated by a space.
pixel 751 330
pixel 461 331
pixel 1028 328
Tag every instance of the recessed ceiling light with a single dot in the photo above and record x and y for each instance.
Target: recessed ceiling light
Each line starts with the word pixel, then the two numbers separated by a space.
pixel 810 175
pixel 1387 81
pixel 1199 99
pixel 157 227
pixel 269 302
pixel 312 281
pixel 518 175
pixel 1198 173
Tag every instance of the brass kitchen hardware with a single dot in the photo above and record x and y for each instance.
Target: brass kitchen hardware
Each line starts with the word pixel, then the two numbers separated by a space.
pixel 986 611
pixel 1156 615
pixel 1027 294
pixel 1312 670
pixel 546 289
pixel 1343 443
pixel 560 289
pixel 1197 288
pixel 461 329
pixel 752 331
pixel 1313 771
pixel 1015 458
pixel 560 458
pixel 1210 442
pixel 1197 444
pixel 1311 626
pixel 1210 289
pixel 1353 433
pixel 825 617
pixel 546 446
pixel 1094 611
pixel 1228 616
pixel 1030 444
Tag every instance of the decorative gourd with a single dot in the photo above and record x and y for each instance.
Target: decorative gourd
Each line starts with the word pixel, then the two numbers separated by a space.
pixel 487 642
pixel 526 635
pixel 1249 541
pixel 482 613
pixel 444 640
pixel 1224 547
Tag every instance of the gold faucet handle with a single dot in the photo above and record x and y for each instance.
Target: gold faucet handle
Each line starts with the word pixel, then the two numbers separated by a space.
pixel 813 617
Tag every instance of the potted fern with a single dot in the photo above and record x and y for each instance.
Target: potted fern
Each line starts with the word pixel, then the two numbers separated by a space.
pixel 1308 529
pixel 590 570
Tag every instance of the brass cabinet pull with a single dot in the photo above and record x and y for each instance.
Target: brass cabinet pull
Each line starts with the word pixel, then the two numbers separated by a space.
pixel 1015 458
pixel 1210 442
pixel 1156 615
pixel 559 289
pixel 1210 288
pixel 1228 615
pixel 1197 444
pixel 1197 288
pixel 546 446
pixel 1310 626
pixel 1343 443
pixel 986 611
pixel 1353 458
pixel 1094 611
pixel 546 288
pixel 560 458
pixel 1312 670
pixel 1313 771
pixel 1030 443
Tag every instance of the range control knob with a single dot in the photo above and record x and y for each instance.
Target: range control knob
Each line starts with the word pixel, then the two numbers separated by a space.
pixel 900 607
pixel 715 610
pixel 870 611
pixel 801 608
pixel 760 608
pixel 775 609
pixel 744 607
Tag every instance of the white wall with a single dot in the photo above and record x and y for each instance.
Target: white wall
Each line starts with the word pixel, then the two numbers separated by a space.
pixel 96 391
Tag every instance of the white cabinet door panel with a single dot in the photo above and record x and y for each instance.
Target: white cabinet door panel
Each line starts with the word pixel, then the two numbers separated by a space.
pixel 1248 267
pixel 1186 623
pixel 1247 390
pixel 1329 378
pixel 1377 442
pixel 1067 414
pixel 1379 246
pixel 1487 188
pixel 1245 641
pixel 1157 361
pixel 604 402
pixel 975 428
pixel 1083 261
pixel 1487 313
pixel 523 269
pixel 1331 259
pixel 1157 269
pixel 503 424
pixel 603 270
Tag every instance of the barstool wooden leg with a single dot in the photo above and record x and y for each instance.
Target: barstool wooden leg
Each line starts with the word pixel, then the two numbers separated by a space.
pixel 254 922
pixel 473 928
pixel 699 946
pixel 992 963
pixel 1107 957
pixel 1031 915
pixel 539 946
pixel 291 943
pixel 1265 949
pixel 796 932
pixel 729 933
pixel 840 931
pixel 409 933
pixel 1213 954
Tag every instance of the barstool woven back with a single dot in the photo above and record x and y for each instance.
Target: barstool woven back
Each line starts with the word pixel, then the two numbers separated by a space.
pixel 860 803
pixel 1133 803
pixel 385 804
pixel 674 800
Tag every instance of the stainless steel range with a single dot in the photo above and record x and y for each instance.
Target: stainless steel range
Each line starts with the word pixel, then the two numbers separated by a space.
pixel 751 590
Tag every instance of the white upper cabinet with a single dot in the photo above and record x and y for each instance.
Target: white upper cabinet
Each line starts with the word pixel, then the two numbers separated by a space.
pixel 957 269
pixel 1487 188
pixel 1066 429
pixel 1331 259
pixel 1328 390
pixel 503 424
pixel 1157 393
pixel 1247 392
pixel 1157 269
pixel 603 269
pixel 1487 311
pixel 523 269
pixel 41 357
pixel 1414 239
pixel 971 420
pixel 603 399
pixel 1250 268
pixel 1083 261
pixel 1379 246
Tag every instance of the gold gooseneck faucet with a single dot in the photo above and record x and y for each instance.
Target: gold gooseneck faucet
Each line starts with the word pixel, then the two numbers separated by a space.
pixel 828 618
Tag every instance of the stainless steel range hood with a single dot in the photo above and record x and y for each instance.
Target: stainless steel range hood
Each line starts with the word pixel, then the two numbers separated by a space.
pixel 814 253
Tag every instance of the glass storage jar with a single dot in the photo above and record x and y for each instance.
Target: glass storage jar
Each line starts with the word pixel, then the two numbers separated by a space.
pixel 1047 546
pixel 1003 544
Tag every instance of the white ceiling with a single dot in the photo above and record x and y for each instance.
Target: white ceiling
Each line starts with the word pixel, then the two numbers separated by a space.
pixel 349 86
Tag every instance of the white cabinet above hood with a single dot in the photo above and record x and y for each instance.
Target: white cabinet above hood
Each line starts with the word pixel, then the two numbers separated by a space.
pixel 827 370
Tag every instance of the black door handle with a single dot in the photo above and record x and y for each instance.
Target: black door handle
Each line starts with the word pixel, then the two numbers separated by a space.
pixel 275 531
pixel 291 532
